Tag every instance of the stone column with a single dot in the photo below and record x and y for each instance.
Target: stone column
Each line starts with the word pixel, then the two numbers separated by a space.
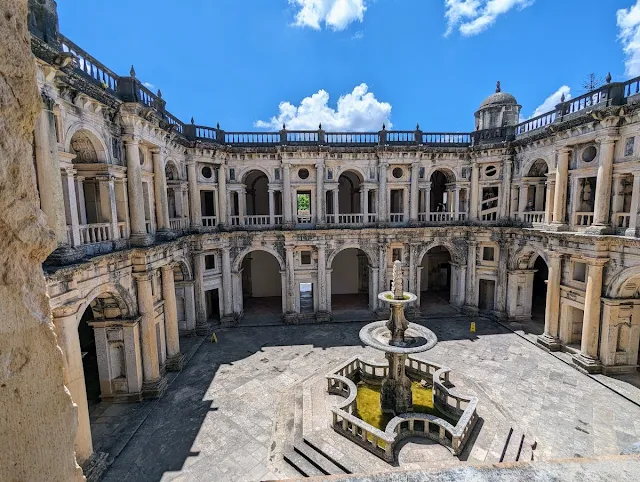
pixel 365 205
pixel 160 188
pixel 413 203
pixel 634 222
pixel 67 332
pixel 503 278
pixel 81 204
pixel 323 295
pixel 227 288
pixel 383 215
pixel 154 385
pixel 550 194
pixel 48 172
pixel 560 195
pixel 382 273
pixel 175 359
pixel 456 201
pixel 194 196
pixel 242 205
pixel 223 217
pixel 320 219
pixel 427 201
pixel 139 236
pixel 108 209
pixel 72 207
pixel 472 290
pixel 335 198
pixel 601 222
pixel 550 339
pixel 202 327
pixel 522 198
pixel 505 190
pixel 272 208
pixel 190 308
pixel 588 357
pixel 286 195
pixel 539 200
pixel 291 316
pixel 475 186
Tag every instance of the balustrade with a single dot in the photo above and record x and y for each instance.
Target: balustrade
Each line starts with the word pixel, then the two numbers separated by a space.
pixel 622 220
pixel 532 217
pixel 350 218
pixel 278 219
pixel 148 226
pixel 178 224
pixel 95 233
pixel 583 219
pixel 259 220
pixel 123 228
pixel 396 217
pixel 209 221
pixel 235 220
pixel 89 66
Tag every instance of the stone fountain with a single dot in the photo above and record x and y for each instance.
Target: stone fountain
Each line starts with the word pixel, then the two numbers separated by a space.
pixel 397 338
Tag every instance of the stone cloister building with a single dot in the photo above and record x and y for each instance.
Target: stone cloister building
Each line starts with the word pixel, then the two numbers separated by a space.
pixel 163 226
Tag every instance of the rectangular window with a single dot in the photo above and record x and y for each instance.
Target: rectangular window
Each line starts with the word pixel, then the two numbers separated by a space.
pixel 396 254
pixel 628 146
pixel 330 174
pixel 372 173
pixel 304 204
pixel 232 174
pixel 422 173
pixel 579 272
pixel 305 257
pixel 306 297
pixel 488 253
pixel 276 173
pixel 210 261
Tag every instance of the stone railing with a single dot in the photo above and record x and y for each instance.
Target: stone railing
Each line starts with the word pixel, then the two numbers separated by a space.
pixel 257 220
pixel 179 224
pixel 123 229
pixel 396 218
pixel 532 217
pixel 350 218
pixel 621 220
pixel 344 379
pixel 95 233
pixel 583 218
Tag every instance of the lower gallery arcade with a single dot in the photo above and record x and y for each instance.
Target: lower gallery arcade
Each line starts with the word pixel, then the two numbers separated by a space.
pixel 119 317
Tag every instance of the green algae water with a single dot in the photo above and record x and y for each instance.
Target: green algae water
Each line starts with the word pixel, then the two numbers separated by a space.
pixel 368 404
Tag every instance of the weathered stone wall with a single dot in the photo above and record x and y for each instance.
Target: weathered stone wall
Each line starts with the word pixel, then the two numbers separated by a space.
pixel 37 420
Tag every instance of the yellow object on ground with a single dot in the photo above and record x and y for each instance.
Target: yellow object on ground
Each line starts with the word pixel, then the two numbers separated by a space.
pixel 214 338
pixel 473 327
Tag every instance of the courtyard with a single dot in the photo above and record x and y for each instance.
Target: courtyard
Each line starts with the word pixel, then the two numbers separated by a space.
pixel 239 405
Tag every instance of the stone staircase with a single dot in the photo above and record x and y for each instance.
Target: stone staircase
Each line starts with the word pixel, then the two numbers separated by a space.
pixel 515 447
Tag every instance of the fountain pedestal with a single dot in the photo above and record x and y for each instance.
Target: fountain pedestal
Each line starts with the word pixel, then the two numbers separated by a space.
pixel 395 394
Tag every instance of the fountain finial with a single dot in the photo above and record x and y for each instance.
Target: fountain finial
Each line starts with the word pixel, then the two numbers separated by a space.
pixel 396 287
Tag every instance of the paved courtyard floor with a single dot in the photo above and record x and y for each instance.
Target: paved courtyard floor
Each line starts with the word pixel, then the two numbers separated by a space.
pixel 223 417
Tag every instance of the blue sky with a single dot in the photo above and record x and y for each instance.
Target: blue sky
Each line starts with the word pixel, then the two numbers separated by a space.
pixel 395 61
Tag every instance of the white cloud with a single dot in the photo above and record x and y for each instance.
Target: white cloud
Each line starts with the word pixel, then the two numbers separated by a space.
pixel 628 20
pixel 335 14
pixel 472 17
pixel 550 102
pixel 149 85
pixel 357 111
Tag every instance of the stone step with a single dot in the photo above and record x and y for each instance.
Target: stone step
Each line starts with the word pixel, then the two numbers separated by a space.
pixel 331 459
pixel 301 464
pixel 316 459
pixel 513 446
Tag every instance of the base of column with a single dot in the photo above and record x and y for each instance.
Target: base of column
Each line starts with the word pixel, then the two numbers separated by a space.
pixel 470 310
pixel 414 223
pixel 549 343
pixel 188 333
pixel 175 363
pixel 202 329
pixel 323 316
pixel 587 364
pixel 291 318
pixel 165 235
pixel 65 254
pixel 195 228
pixel 557 227
pixel 632 232
pixel 288 225
pixel 321 225
pixel 95 466
pixel 141 240
pixel 230 320
pixel 155 388
pixel 122 397
pixel 599 229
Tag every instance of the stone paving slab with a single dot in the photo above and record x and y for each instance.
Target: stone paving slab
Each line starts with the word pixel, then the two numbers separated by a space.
pixel 223 414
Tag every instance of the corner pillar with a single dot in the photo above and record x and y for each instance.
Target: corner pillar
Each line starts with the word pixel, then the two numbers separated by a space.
pixel 175 359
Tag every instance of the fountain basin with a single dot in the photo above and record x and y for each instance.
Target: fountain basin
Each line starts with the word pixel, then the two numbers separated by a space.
pixel 388 297
pixel 417 338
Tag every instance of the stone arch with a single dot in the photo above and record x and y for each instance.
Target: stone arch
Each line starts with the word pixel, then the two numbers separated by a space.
pixel 336 251
pixel 112 296
pixel 456 256
pixel 87 144
pixel 525 257
pixel 172 170
pixel 355 170
pixel 183 266
pixel 449 173
pixel 625 284
pixel 240 257
pixel 249 170
pixel 535 167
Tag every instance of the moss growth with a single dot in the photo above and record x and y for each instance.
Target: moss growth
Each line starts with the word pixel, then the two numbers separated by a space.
pixel 391 297
pixel 368 404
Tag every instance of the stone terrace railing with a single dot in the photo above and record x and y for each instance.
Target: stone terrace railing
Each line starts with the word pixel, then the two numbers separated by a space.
pixel 130 89
pixel 343 381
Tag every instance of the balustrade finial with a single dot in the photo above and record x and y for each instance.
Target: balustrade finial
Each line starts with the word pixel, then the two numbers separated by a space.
pixel 608 79
pixel 562 98
pixel 192 121
pixel 159 94
pixel 284 127
pixel 218 125
pixel 132 72
pixel 498 88
pixel 384 127
pixel 320 126
pixel 417 126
